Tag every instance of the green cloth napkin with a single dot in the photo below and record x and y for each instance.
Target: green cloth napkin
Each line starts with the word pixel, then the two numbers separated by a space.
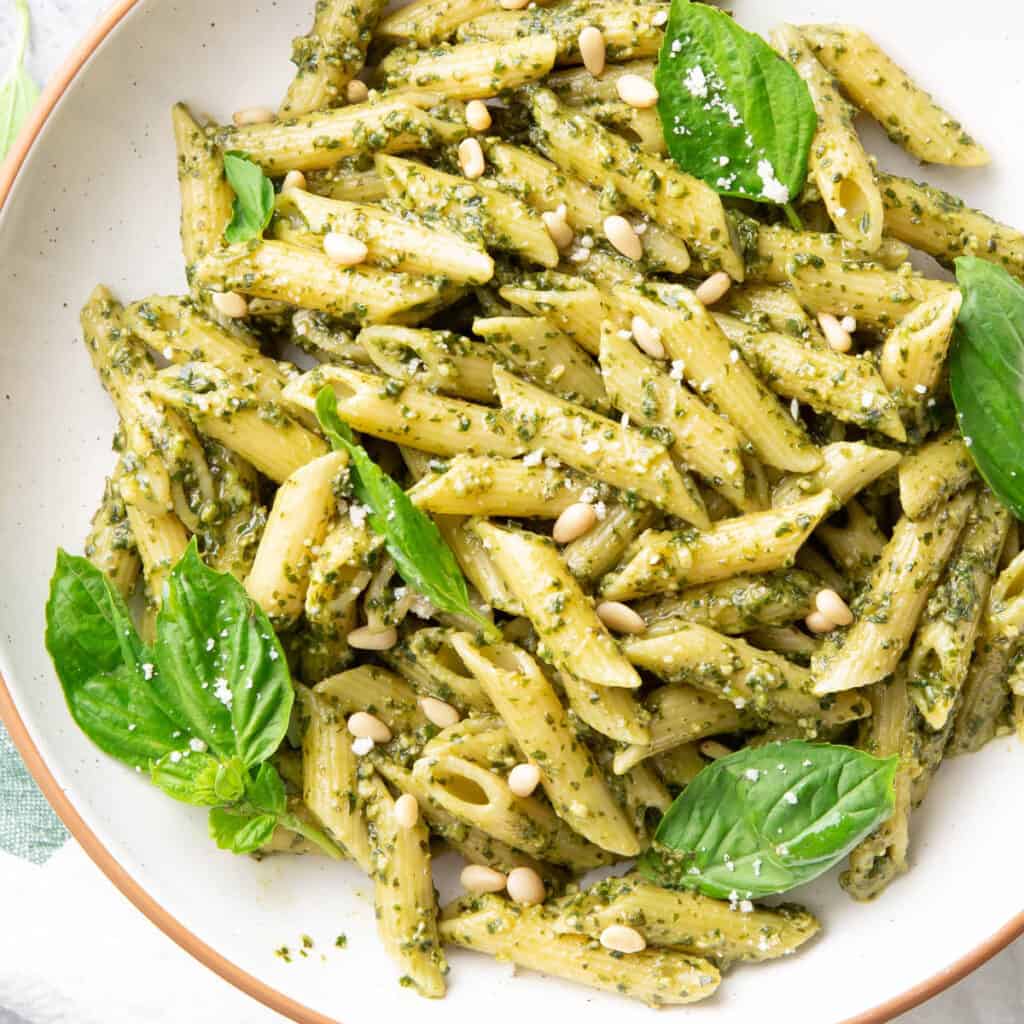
pixel 28 827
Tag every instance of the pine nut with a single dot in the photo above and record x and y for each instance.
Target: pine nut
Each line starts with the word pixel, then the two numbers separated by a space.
pixel 438 712
pixel 362 724
pixel 294 179
pixel 591 44
pixel 713 288
pixel 356 91
pixel 637 91
pixel 362 746
pixel 524 885
pixel 366 638
pixel 253 115
pixel 524 779
pixel 478 117
pixel 407 811
pixel 479 878
pixel 648 338
pixel 620 938
pixel 833 607
pixel 575 521
pixel 558 228
pixel 818 623
pixel 231 304
pixel 714 749
pixel 660 18
pixel 471 158
pixel 849 324
pixel 620 233
pixel 344 250
pixel 837 337
pixel 514 5
pixel 620 617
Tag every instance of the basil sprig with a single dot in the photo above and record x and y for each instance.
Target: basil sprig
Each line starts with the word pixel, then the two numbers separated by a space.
pixel 202 711
pixel 422 557
pixel 986 375
pixel 18 93
pixel 733 112
pixel 253 205
pixel 766 819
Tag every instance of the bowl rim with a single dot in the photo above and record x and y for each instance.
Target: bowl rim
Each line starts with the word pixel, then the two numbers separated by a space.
pixel 108 863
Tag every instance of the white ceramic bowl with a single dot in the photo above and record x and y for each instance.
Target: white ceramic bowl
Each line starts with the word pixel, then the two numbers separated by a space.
pixel 95 199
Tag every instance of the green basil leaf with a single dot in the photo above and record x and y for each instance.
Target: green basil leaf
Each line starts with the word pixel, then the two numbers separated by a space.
pixel 189 776
pixel 18 93
pixel 229 784
pixel 422 557
pixel 254 198
pixel 266 791
pixel 986 375
pixel 105 670
pixel 240 832
pixel 733 112
pixel 221 663
pixel 766 819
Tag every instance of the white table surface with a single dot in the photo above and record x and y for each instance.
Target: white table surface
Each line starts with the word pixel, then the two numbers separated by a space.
pixel 78 938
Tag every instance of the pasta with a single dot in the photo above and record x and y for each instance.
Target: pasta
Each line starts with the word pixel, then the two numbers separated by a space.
pixel 557 476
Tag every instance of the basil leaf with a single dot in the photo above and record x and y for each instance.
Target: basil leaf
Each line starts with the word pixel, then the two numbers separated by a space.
pixel 254 198
pixel 221 663
pixel 188 776
pixel 105 670
pixel 986 375
pixel 18 93
pixel 766 819
pixel 229 784
pixel 733 112
pixel 240 832
pixel 422 557
pixel 266 791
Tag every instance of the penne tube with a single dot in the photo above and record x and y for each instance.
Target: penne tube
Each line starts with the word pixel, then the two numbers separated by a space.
pixel 846 387
pixel 307 278
pixel 945 227
pixel 856 546
pixel 686 920
pixel 847 468
pixel 318 140
pixel 524 936
pixel 477 564
pixel 889 611
pixel 572 637
pixel 640 387
pixel 483 214
pixel 393 242
pixel 938 469
pixel 330 55
pixel 876 297
pixel 536 349
pixel 837 164
pixel 661 561
pixel 605 449
pixel 529 706
pixel 432 666
pixel 691 336
pixel 546 187
pixel 297 524
pixel 881 88
pixel 482 486
pixel 110 545
pixel 941 654
pixel 408 415
pixel 469 71
pixel 757 682
pixel 348 179
pixel 589 557
pixel 436 360
pixel 428 22
pixel 160 540
pixel 683 205
pixel 576 307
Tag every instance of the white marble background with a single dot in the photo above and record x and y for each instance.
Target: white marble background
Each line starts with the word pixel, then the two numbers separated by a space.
pixel 76 938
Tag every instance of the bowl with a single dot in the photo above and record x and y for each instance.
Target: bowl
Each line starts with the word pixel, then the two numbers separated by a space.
pixel 90 195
